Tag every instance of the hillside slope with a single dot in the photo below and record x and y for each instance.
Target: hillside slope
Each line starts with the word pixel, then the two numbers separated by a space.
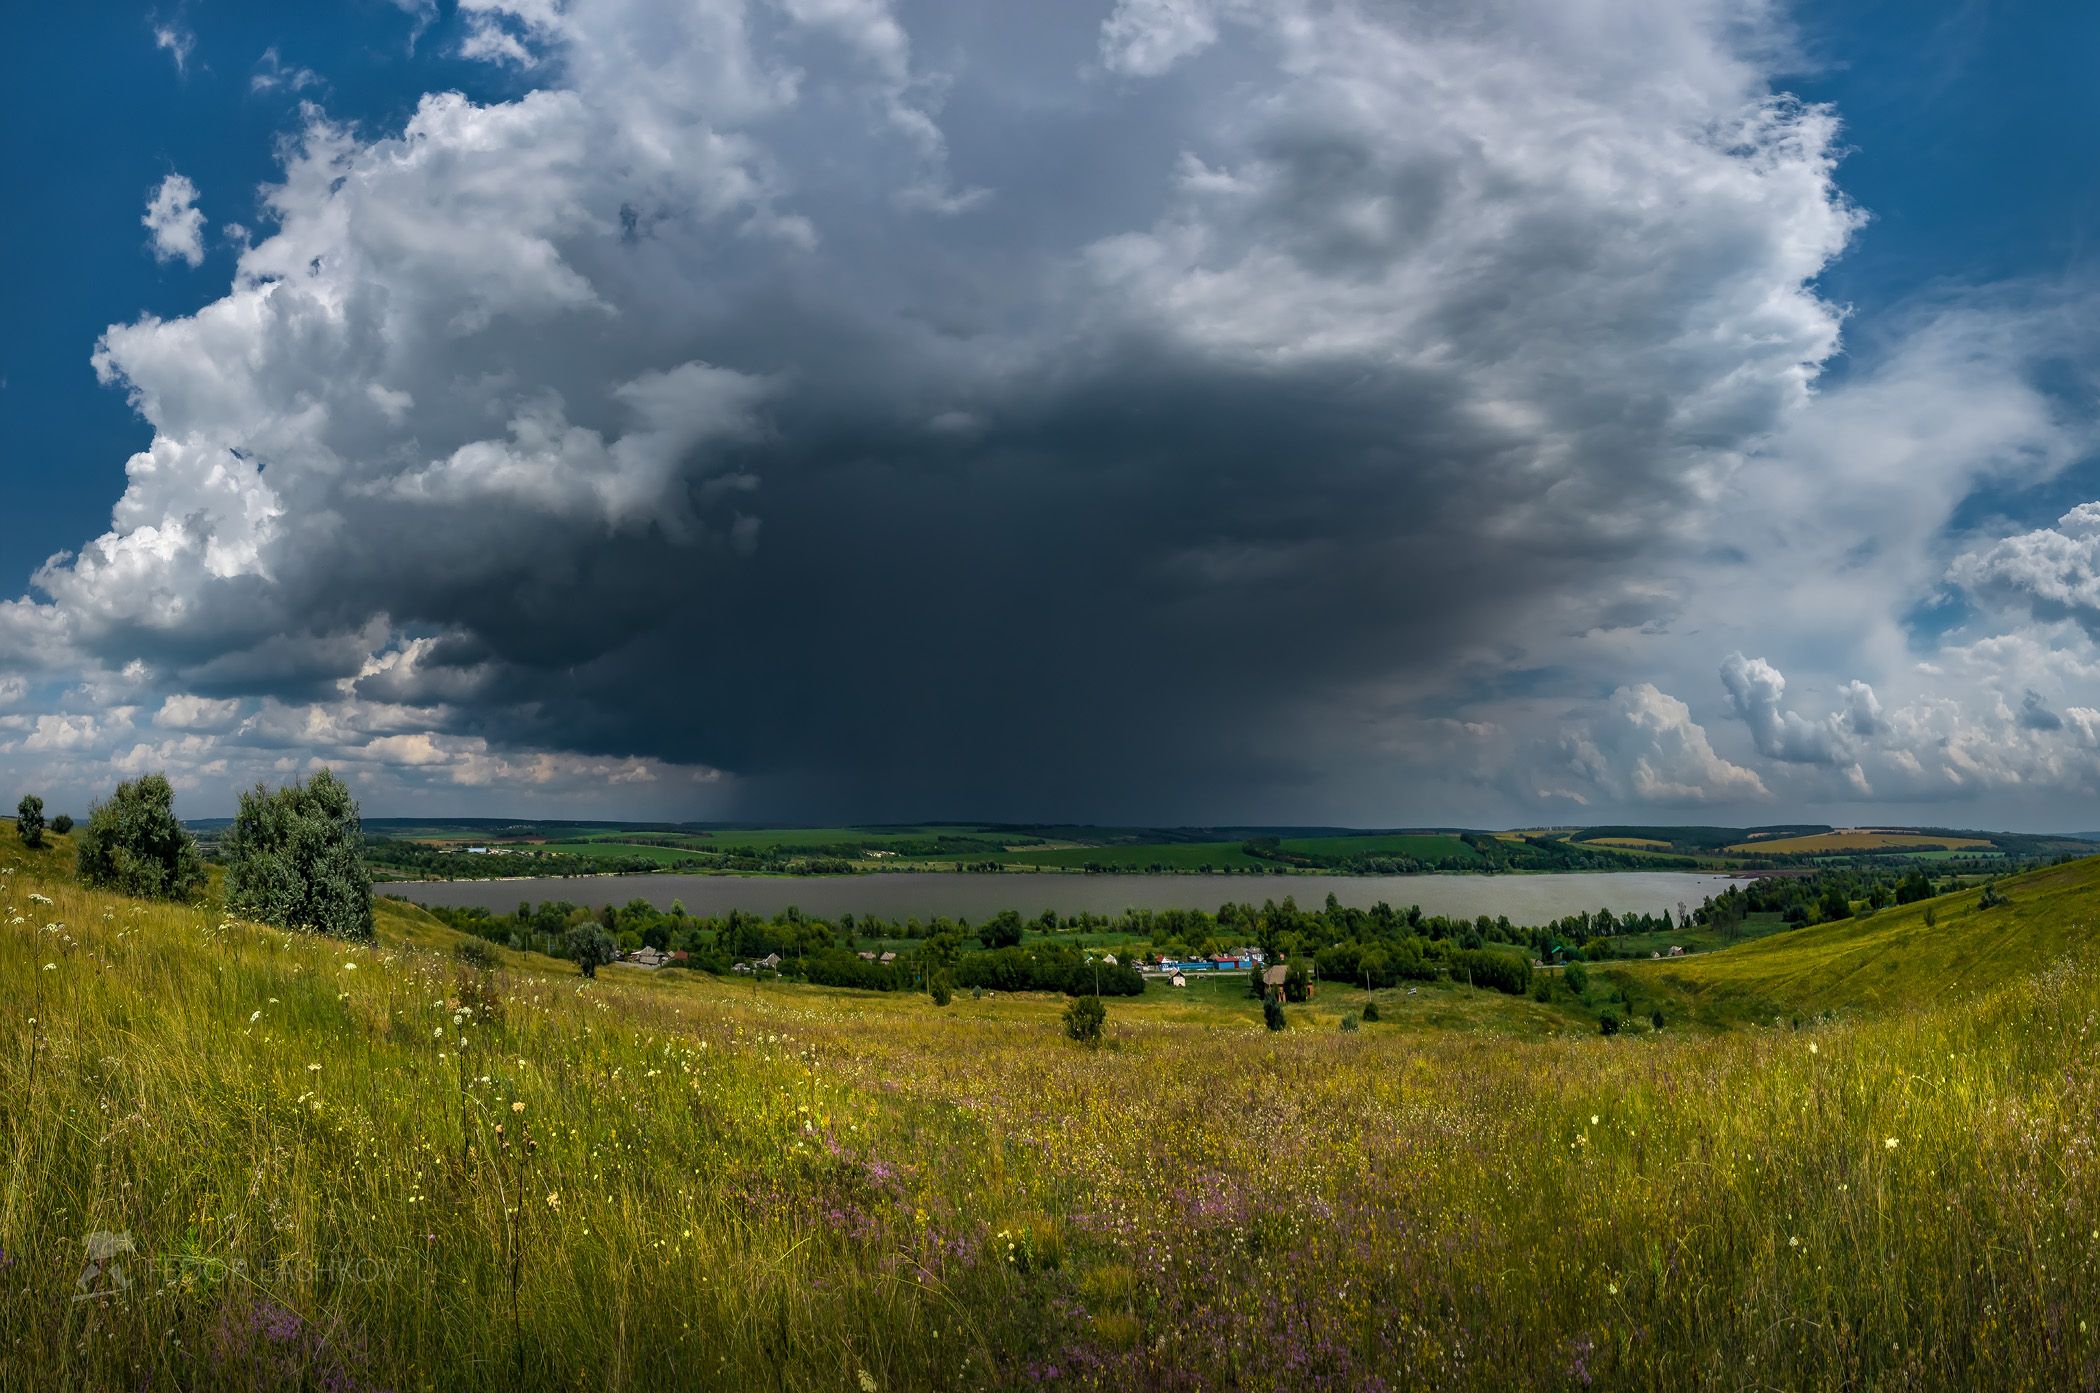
pixel 315 1165
pixel 1894 959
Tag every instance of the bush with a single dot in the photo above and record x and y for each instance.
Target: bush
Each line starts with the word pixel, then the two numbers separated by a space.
pixel 1577 978
pixel 1655 1018
pixel 1084 1019
pixel 476 954
pixel 590 946
pixel 295 858
pixel 134 845
pixel 29 821
pixel 62 824
pixel 1991 898
pixel 1490 967
pixel 1608 1023
pixel 1272 1013
pixel 1349 1024
pixel 1371 1012
pixel 941 988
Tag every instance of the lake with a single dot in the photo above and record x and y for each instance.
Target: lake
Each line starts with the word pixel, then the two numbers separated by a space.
pixel 976 896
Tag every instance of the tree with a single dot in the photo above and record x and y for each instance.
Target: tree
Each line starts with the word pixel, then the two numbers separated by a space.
pixel 1084 1019
pixel 62 824
pixel 1272 1012
pixel 941 987
pixel 295 858
pixel 591 946
pixel 29 821
pixel 134 844
pixel 1002 930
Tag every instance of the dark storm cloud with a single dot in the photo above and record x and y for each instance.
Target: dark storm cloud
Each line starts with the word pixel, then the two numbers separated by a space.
pixel 1093 446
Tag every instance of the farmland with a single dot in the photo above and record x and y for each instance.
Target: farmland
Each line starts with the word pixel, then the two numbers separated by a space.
pixel 346 1166
pixel 418 850
pixel 1828 842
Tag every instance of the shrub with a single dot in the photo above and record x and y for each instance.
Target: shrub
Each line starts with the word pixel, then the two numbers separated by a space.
pixel 590 946
pixel 1084 1019
pixel 476 954
pixel 1272 1013
pixel 295 858
pixel 1490 967
pixel 1371 1012
pixel 29 821
pixel 1655 1018
pixel 134 845
pixel 1349 1023
pixel 1991 898
pixel 62 824
pixel 1608 1023
pixel 941 989
pixel 1577 978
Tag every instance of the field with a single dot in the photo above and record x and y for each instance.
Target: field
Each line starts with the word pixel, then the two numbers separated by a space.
pixel 264 1161
pixel 1430 848
pixel 1173 856
pixel 1849 841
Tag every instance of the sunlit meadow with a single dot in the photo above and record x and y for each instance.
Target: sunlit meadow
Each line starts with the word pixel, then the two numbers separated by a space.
pixel 243 1158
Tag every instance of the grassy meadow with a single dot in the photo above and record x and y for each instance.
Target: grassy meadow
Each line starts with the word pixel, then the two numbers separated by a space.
pixel 322 1166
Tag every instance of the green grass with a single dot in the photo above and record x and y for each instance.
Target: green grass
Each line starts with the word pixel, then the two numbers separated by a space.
pixel 1173 856
pixel 527 1181
pixel 1430 848
pixel 1895 959
pixel 611 851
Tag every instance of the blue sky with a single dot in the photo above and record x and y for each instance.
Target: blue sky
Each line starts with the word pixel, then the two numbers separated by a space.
pixel 1076 346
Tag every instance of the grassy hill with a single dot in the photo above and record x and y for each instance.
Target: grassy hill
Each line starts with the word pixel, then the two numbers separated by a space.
pixel 329 1166
pixel 1895 959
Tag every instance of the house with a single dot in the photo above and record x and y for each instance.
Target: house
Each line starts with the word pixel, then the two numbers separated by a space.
pixel 1178 980
pixel 771 962
pixel 1676 951
pixel 887 957
pixel 741 967
pixel 1109 958
pixel 1274 976
pixel 651 958
pixel 866 955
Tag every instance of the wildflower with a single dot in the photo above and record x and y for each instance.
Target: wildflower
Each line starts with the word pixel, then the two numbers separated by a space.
pixel 1593 1119
pixel 438 1034
pixel 313 1068
pixel 1792 1242
pixel 1812 1048
pixel 1890 1144
pixel 50 967
pixel 255 1016
pixel 517 1107
pixel 867 1382
pixel 554 1199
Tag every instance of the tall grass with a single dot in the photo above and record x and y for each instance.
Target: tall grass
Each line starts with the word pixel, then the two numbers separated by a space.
pixel 379 1169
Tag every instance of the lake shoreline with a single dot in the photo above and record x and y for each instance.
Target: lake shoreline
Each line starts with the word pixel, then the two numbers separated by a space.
pixel 1526 898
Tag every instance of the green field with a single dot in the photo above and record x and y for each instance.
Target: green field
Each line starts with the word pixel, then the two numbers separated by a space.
pixel 1430 848
pixel 614 850
pixel 379 1167
pixel 1173 856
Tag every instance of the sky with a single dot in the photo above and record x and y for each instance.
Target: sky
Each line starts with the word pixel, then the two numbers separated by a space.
pixel 1355 412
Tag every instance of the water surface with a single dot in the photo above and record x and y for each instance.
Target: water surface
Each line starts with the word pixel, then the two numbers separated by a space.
pixel 1526 899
